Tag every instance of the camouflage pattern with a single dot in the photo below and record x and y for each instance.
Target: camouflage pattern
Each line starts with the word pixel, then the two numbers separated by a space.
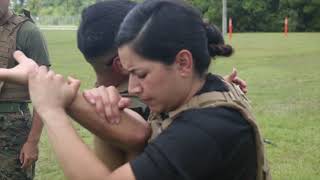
pixel 14 130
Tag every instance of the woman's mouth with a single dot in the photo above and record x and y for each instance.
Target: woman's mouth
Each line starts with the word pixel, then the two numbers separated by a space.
pixel 145 100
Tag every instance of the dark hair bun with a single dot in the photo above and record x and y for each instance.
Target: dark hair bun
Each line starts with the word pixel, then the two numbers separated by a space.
pixel 220 50
pixel 216 45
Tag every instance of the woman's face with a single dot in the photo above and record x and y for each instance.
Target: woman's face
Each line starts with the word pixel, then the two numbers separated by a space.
pixel 160 86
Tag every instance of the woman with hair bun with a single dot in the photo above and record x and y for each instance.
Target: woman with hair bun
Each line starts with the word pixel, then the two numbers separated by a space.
pixel 202 127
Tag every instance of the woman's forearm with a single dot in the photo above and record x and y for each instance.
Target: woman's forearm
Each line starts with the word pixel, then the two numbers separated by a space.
pixel 74 156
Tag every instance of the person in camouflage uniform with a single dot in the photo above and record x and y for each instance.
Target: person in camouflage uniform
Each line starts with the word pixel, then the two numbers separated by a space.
pixel 19 131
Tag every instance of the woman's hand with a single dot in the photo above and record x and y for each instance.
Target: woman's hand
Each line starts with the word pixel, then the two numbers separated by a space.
pixel 108 102
pixel 50 91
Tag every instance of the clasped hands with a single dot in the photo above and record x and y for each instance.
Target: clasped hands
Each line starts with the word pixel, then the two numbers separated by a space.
pixel 48 91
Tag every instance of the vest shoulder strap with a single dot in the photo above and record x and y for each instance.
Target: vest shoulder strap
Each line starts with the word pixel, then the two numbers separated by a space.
pixel 233 97
pixel 15 23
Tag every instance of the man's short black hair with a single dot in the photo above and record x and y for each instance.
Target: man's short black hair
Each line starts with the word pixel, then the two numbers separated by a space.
pixel 99 26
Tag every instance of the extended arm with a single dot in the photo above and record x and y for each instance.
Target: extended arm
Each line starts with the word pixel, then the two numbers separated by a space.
pixel 129 133
pixel 77 161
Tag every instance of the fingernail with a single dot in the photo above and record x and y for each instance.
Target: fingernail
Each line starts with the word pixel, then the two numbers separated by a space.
pixel 117 120
pixel 101 115
pixel 114 121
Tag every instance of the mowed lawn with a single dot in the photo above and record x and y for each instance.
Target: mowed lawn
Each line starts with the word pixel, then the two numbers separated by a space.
pixel 283 75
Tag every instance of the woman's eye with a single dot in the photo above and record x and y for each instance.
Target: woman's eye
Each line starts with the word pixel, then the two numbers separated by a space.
pixel 141 76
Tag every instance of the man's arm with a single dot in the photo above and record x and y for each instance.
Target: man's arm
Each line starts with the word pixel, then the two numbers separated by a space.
pixel 29 151
pixel 31 41
pixel 132 131
pixel 36 129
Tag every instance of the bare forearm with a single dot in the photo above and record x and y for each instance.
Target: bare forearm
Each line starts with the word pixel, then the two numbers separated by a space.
pixel 112 156
pixel 14 76
pixel 36 129
pixel 131 132
pixel 3 75
pixel 72 153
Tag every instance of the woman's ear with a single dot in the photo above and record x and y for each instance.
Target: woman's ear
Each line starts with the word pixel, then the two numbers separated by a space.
pixel 184 62
pixel 117 66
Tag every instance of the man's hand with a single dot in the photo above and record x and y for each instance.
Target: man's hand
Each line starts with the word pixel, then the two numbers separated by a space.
pixel 28 154
pixel 108 102
pixel 19 74
pixel 50 91
pixel 233 78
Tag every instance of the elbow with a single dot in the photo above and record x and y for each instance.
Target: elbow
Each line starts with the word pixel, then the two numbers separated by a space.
pixel 140 136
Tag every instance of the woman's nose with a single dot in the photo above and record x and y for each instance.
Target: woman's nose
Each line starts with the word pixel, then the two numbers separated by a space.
pixel 134 87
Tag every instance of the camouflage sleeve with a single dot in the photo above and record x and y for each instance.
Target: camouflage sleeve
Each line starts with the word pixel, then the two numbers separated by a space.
pixel 32 42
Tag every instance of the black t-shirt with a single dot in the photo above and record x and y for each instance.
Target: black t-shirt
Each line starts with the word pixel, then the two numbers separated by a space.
pixel 201 144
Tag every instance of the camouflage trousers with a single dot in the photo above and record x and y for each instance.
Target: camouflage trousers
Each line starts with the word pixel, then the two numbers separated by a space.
pixel 14 130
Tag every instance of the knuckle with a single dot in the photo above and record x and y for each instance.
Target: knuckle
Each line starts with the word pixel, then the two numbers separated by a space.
pixel 93 93
pixel 99 107
pixel 110 115
pixel 101 88
pixel 111 88
pixel 113 101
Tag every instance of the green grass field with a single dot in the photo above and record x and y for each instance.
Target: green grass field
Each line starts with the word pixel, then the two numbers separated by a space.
pixel 284 85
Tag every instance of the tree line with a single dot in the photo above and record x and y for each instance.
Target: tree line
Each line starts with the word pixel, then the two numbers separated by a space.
pixel 247 15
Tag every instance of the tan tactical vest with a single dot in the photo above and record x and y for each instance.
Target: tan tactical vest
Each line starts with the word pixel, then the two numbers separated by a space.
pixel 235 99
pixel 8 36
